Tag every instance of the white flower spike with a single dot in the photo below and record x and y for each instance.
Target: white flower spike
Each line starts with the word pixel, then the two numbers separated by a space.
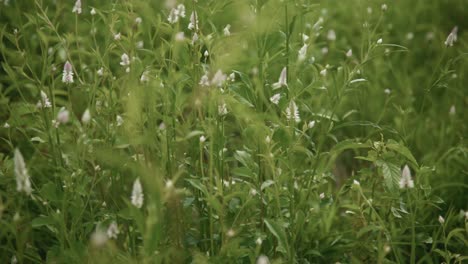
pixel 67 73
pixel 137 194
pixel 282 81
pixel 452 37
pixel 77 7
pixel 406 181
pixel 275 98
pixel 292 112
pixel 23 183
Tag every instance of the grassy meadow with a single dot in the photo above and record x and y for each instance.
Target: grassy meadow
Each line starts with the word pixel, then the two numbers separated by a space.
pixel 234 131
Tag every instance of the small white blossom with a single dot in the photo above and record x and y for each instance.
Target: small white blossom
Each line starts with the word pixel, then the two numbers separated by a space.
pixel 86 117
pixel 253 192
pixel 77 7
pixel 282 81
pixel 259 241
pixel 355 182
pixel 219 78
pixel 349 53
pixel 137 194
pixel 6 125
pixel 206 54
pixel 99 238
pixel 204 81
pixel 302 52
pixel 452 110
pixel 194 38
pixel 193 25
pixel 304 38
pixel 181 10
pixel 410 36
pixel 324 50
pixel 441 220
pixel 202 139
pixel 263 260
pixel 138 20
pixel 119 119
pixel 100 72
pixel 379 41
pixel 169 184
pixel 67 76
pixel 292 112
pixel 144 77
pixel 452 37
pixel 331 35
pixel 230 233
pixel 406 181
pixel 222 109
pixel 180 36
pixel 93 11
pixel 275 98
pixel 387 91
pixel 63 116
pixel 268 139
pixel 113 230
pixel 322 195
pixel 140 44
pixel 125 60
pixel 311 124
pixel 173 16
pixel 384 7
pixel 118 36
pixel 44 102
pixel 23 183
pixel 226 31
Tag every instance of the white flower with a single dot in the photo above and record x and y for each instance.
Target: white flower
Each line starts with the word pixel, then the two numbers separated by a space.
pixel 125 60
pixel 410 36
pixel 118 36
pixel 452 110
pixel 86 117
pixel 292 112
pixel 311 124
pixel 119 120
pixel 222 109
pixel 77 7
pixel 113 230
pixel 253 192
pixel 206 54
pixel 144 77
pixel 140 44
pixel 181 10
pixel 6 125
pixel 204 81
pixel 100 72
pixel 331 35
pixel 21 173
pixel 67 73
pixel 379 41
pixel 44 102
pixel 322 195
pixel 323 72
pixel 268 139
pixel 173 17
pixel 230 233
pixel 282 81
pixel 232 77
pixel 93 11
pixel 304 37
pixel 180 36
pixel 194 38
pixel 387 91
pixel 99 238
pixel 138 20
pixel 219 78
pixel 263 260
pixel 202 139
pixel 193 25
pixel 406 181
pixel 355 182
pixel 441 220
pixel 275 98
pixel 259 241
pixel 226 31
pixel 63 116
pixel 384 7
pixel 302 53
pixel 324 50
pixel 169 184
pixel 452 37
pixel 137 194
pixel 349 53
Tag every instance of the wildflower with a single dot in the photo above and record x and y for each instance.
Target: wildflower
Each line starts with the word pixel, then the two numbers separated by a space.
pixel 323 72
pixel 14 260
pixel 275 98
pixel 180 36
pixel 6 125
pixel 263 260
pixel 292 112
pixel 253 192
pixel 181 10
pixel 384 7
pixel 322 195
pixel 226 31
pixel 44 102
pixel 63 116
pixel 194 38
pixel 99 238
pixel 387 91
pixel 138 20
pixel 268 139
pixel 219 78
pixel 202 139
pixel 169 184
pixel 230 233
pixel 67 73
pixel 86 117
pixel 379 41
pixel 349 53
pixel 118 36
pixel 137 194
pixel 311 124
pixel 305 38
pixel 355 182
pixel 324 50
pixel 100 72
pixel 410 36
pixel 173 17
pixel 204 81
pixel 406 181
pixel 302 52
pixel 452 110
pixel 282 79
pixel 93 11
pixel 21 173
pixel 232 77
pixel 193 25
pixel 222 110
pixel 206 54
pixel 119 120
pixel 441 220
pixel 331 35
pixel 77 7
pixel 452 37
pixel 144 77
pixel 113 230
pixel 140 44
pixel 125 60
pixel 259 241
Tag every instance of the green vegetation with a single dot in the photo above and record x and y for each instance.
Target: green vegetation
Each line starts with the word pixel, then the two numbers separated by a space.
pixel 233 131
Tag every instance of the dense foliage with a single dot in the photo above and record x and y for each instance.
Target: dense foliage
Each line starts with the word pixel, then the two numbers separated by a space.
pixel 233 131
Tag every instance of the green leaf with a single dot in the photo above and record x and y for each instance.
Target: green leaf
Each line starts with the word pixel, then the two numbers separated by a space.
pixel 395 146
pixel 391 174
pixel 42 221
pixel 278 231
